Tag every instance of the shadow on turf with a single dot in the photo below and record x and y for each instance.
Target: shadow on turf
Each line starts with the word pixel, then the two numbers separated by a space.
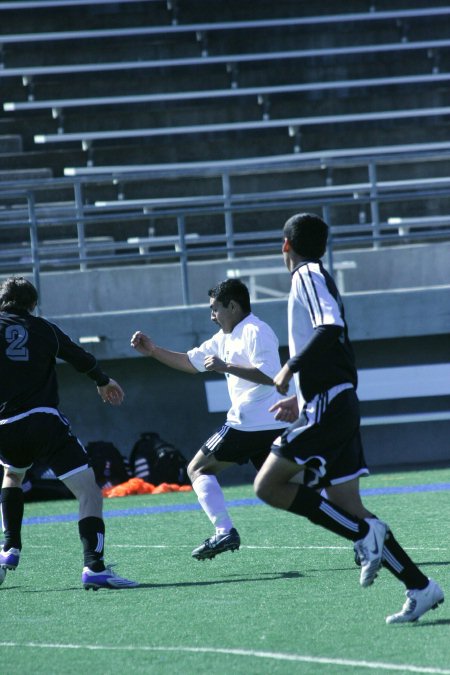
pixel 264 576
pixel 422 563
pixel 231 579
pixel 425 624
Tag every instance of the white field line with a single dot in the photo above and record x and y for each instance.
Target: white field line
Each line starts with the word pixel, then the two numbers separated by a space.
pixel 276 656
pixel 243 546
pixel 274 547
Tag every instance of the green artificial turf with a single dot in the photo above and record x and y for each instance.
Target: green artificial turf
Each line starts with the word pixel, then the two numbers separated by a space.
pixel 287 602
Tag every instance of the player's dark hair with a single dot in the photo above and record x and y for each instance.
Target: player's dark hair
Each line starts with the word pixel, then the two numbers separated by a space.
pixel 232 289
pixel 17 293
pixel 307 234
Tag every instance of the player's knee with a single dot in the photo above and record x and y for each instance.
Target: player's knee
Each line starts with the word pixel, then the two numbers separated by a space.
pixel 263 490
pixel 192 471
pixel 12 479
pixel 201 464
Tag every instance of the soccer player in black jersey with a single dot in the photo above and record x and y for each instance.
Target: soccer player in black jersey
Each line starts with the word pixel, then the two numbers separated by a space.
pixel 32 427
pixel 324 441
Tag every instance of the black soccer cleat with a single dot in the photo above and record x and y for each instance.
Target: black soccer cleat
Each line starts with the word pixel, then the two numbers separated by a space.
pixel 218 543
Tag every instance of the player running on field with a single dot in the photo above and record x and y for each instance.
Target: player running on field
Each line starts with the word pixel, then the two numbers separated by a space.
pixel 245 350
pixel 325 439
pixel 32 428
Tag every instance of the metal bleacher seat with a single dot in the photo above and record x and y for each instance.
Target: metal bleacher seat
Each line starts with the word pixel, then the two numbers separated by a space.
pixel 292 125
pixel 349 190
pixel 197 28
pixel 27 73
pixel 359 156
pixel 26 5
pixel 56 106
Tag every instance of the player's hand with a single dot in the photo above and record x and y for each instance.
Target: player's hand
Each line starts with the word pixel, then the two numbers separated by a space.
pixel 286 409
pixel 111 393
pixel 282 379
pixel 142 343
pixel 214 363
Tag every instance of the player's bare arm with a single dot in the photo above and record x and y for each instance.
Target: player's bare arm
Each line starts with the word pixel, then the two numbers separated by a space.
pixel 111 393
pixel 282 379
pixel 286 409
pixel 142 343
pixel 213 363
pixel 177 360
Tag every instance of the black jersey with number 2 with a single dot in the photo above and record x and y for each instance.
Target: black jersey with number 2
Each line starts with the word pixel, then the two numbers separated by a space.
pixel 29 347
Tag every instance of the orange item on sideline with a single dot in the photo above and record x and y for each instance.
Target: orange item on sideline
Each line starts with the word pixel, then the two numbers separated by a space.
pixel 137 486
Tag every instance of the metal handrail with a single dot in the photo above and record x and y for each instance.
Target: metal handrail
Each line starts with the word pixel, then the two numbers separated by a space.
pixel 24 213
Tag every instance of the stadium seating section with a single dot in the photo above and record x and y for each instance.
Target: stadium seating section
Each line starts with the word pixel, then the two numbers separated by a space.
pixel 93 85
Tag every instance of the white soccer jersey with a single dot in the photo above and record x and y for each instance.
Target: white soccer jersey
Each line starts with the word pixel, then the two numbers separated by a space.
pixel 251 343
pixel 310 305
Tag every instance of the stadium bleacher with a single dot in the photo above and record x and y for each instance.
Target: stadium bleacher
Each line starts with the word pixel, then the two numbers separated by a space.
pixel 260 88
pixel 185 85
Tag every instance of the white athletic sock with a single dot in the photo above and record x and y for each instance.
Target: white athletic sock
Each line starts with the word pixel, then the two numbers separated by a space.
pixel 212 501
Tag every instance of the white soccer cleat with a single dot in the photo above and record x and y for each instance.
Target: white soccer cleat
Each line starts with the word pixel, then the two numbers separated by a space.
pixel 370 550
pixel 418 602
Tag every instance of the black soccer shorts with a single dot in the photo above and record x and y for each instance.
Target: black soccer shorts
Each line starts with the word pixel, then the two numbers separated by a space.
pixel 232 445
pixel 326 440
pixel 42 436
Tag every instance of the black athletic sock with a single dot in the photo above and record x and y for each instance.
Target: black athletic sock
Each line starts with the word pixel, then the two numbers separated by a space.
pixel 398 562
pixel 92 535
pixel 12 502
pixel 322 512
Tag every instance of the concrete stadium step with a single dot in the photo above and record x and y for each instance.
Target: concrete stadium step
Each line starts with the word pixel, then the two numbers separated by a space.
pixel 24 174
pixel 56 160
pixel 10 144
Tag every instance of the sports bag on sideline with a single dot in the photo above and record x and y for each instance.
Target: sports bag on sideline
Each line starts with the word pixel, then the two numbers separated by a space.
pixel 156 461
pixel 108 463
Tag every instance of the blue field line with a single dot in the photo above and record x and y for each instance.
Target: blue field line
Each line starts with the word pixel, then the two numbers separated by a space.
pixel 172 508
pixel 406 489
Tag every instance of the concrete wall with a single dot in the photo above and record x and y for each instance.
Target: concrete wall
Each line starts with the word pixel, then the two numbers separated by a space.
pixel 158 285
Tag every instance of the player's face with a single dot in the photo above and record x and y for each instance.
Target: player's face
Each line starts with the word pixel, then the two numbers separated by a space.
pixel 285 249
pixel 222 316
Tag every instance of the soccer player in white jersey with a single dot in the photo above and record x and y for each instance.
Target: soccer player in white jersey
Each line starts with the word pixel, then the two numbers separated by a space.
pixel 245 350
pixel 325 440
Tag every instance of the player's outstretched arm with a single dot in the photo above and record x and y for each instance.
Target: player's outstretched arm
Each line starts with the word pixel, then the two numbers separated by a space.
pixel 142 343
pixel 111 393
pixel 145 345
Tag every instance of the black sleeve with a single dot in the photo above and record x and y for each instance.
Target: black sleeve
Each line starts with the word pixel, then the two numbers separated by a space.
pixel 99 377
pixel 79 358
pixel 324 337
